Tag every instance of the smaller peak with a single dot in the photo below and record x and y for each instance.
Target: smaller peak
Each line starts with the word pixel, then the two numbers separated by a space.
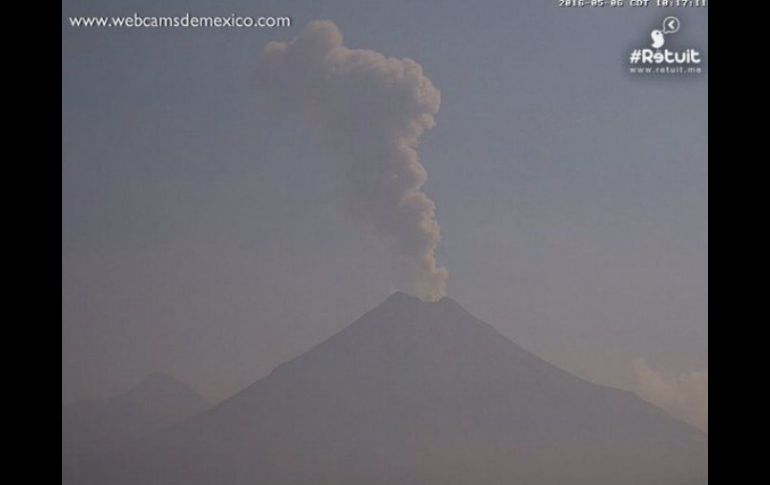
pixel 158 378
pixel 158 382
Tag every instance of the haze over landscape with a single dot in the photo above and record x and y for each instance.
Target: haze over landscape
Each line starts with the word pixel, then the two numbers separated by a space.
pixel 414 393
pixel 232 199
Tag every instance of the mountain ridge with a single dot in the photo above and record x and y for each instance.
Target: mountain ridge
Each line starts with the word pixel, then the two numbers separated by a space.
pixel 154 403
pixel 419 393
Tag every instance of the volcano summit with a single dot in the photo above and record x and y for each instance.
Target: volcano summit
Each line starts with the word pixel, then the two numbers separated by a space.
pixel 416 393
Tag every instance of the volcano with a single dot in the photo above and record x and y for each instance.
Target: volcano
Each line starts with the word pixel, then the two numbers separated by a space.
pixel 415 393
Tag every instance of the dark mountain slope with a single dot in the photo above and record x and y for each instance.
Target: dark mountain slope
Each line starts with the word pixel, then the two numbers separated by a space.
pixel 418 393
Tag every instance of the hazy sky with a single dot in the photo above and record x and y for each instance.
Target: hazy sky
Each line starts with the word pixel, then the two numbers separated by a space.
pixel 204 237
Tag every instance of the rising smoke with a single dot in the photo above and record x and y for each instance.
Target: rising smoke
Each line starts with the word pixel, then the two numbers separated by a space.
pixel 372 110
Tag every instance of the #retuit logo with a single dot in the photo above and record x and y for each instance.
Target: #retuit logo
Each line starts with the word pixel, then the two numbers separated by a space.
pixel 660 59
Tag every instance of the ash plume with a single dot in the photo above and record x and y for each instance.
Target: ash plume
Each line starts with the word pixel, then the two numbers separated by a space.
pixel 371 110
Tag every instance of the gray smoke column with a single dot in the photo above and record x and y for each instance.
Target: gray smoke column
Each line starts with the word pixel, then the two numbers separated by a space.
pixel 371 110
